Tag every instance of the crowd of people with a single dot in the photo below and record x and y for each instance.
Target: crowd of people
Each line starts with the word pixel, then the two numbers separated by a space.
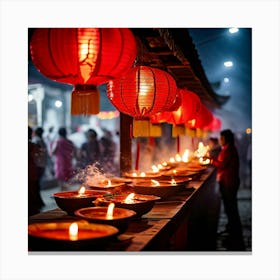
pixel 62 158
pixel 54 154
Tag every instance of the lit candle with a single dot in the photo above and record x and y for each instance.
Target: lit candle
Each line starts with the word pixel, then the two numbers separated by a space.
pixel 110 211
pixel 173 182
pixel 130 198
pixel 81 191
pixel 142 174
pixel 73 231
pixel 178 157
pixel 185 156
pixel 154 168
pixel 155 182
pixel 172 159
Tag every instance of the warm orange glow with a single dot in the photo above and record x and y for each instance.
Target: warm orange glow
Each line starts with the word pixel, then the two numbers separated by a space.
pixel 143 174
pixel 201 150
pixel 172 159
pixel 108 115
pixel 109 183
pixel 134 174
pixel 178 158
pixel 73 231
pixel 110 211
pixel 87 55
pixel 155 182
pixel 185 157
pixel 173 182
pixel 164 163
pixel 248 130
pixel 82 190
pixel 155 169
pixel 129 198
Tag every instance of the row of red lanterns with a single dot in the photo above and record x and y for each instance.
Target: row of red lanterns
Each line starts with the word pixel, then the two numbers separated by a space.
pixel 88 57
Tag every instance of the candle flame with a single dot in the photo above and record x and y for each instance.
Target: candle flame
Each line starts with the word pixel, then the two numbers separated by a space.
pixel 154 168
pixel 73 231
pixel 134 174
pixel 172 159
pixel 186 155
pixel 174 171
pixel 178 158
pixel 109 183
pixel 110 211
pixel 129 198
pixel 82 190
pixel 155 182
pixel 142 174
pixel 160 166
pixel 164 163
pixel 173 182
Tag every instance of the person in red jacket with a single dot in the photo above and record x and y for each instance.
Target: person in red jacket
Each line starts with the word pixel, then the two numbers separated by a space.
pixel 228 178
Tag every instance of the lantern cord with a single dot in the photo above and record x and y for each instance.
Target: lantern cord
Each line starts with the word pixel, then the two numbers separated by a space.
pixel 178 144
pixel 137 155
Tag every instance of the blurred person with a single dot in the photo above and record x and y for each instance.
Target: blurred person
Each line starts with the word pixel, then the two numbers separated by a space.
pixel 35 201
pixel 108 150
pixel 49 139
pixel 214 148
pixel 43 158
pixel 64 152
pixel 90 150
pixel 228 178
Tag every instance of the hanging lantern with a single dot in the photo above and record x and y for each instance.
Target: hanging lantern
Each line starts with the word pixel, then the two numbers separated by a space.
pixel 215 125
pixel 204 117
pixel 143 92
pixel 188 109
pixel 85 58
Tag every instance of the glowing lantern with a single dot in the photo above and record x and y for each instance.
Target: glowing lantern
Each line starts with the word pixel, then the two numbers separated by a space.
pixel 203 118
pixel 188 109
pixel 143 92
pixel 85 58
pixel 215 125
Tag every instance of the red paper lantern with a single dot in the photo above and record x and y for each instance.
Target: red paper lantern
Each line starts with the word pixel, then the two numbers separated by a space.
pixel 84 57
pixel 141 93
pixel 188 109
pixel 144 91
pixel 215 124
pixel 203 118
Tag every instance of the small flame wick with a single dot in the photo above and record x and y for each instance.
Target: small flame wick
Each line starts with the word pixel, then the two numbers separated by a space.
pixel 82 191
pixel 73 231
pixel 129 198
pixel 155 182
pixel 110 210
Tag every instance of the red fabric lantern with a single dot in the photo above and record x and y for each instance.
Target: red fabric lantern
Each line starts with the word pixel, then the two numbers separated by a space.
pixel 84 57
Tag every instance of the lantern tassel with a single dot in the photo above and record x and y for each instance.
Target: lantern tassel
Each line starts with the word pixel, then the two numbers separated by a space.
pixel 85 100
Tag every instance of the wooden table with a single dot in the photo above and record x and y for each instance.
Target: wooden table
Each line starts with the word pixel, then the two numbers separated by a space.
pixel 186 221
